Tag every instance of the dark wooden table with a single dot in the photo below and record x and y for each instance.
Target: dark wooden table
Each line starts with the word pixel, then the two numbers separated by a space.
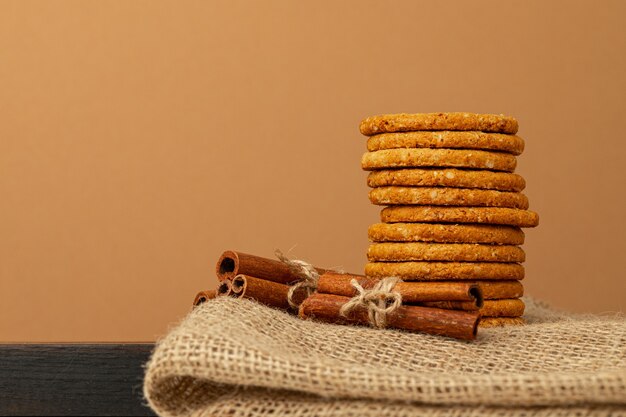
pixel 73 379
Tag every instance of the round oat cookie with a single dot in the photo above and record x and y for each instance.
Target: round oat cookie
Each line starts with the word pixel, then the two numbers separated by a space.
pixel 433 271
pixel 491 308
pixel 456 158
pixel 496 290
pixel 481 215
pixel 447 139
pixel 444 196
pixel 501 321
pixel 404 122
pixel 461 178
pixel 445 233
pixel 455 252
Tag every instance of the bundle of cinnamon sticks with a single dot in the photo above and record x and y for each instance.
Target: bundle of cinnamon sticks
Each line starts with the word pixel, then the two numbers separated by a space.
pixel 317 293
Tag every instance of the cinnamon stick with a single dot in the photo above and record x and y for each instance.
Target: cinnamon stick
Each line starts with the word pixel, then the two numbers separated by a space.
pixel 266 292
pixel 340 284
pixel 225 288
pixel 232 263
pixel 203 296
pixel 457 324
pixel 237 285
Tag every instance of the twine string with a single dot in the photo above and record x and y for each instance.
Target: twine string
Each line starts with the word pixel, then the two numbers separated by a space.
pixel 307 274
pixel 379 301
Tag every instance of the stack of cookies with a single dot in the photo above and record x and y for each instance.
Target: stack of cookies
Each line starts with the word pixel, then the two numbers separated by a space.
pixel 454 208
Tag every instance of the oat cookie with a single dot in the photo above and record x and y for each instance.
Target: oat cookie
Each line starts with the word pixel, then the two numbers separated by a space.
pixel 433 271
pixel 501 321
pixel 444 196
pixel 459 158
pixel 447 139
pixel 495 290
pixel 491 308
pixel 445 233
pixel 483 215
pixel 457 252
pixel 457 178
pixel 404 122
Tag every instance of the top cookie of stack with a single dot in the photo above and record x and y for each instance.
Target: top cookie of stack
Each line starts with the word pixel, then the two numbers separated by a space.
pixel 454 169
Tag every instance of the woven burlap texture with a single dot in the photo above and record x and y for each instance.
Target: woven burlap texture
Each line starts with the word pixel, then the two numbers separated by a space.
pixel 239 358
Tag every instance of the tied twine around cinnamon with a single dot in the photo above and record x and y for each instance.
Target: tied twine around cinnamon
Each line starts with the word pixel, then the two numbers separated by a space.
pixel 379 301
pixel 305 271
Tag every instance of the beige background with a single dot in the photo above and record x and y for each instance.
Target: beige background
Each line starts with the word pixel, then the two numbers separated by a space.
pixel 140 139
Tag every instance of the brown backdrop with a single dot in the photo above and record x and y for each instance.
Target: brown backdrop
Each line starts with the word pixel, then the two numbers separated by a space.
pixel 140 139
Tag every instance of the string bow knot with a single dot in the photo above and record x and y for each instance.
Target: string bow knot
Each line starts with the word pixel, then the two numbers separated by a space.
pixel 306 272
pixel 379 301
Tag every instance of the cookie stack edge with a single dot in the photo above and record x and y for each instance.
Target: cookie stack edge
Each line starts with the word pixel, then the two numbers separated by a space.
pixel 454 207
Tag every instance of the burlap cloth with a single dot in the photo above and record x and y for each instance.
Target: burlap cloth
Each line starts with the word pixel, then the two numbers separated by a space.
pixel 239 358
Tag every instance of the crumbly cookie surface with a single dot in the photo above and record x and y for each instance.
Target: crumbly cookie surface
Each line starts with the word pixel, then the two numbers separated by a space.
pixel 503 308
pixel 493 290
pixel 425 271
pixel 455 158
pixel 455 252
pixel 445 196
pixel 461 178
pixel 481 215
pixel 445 233
pixel 491 308
pixel 447 139
pixel 501 321
pixel 405 122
